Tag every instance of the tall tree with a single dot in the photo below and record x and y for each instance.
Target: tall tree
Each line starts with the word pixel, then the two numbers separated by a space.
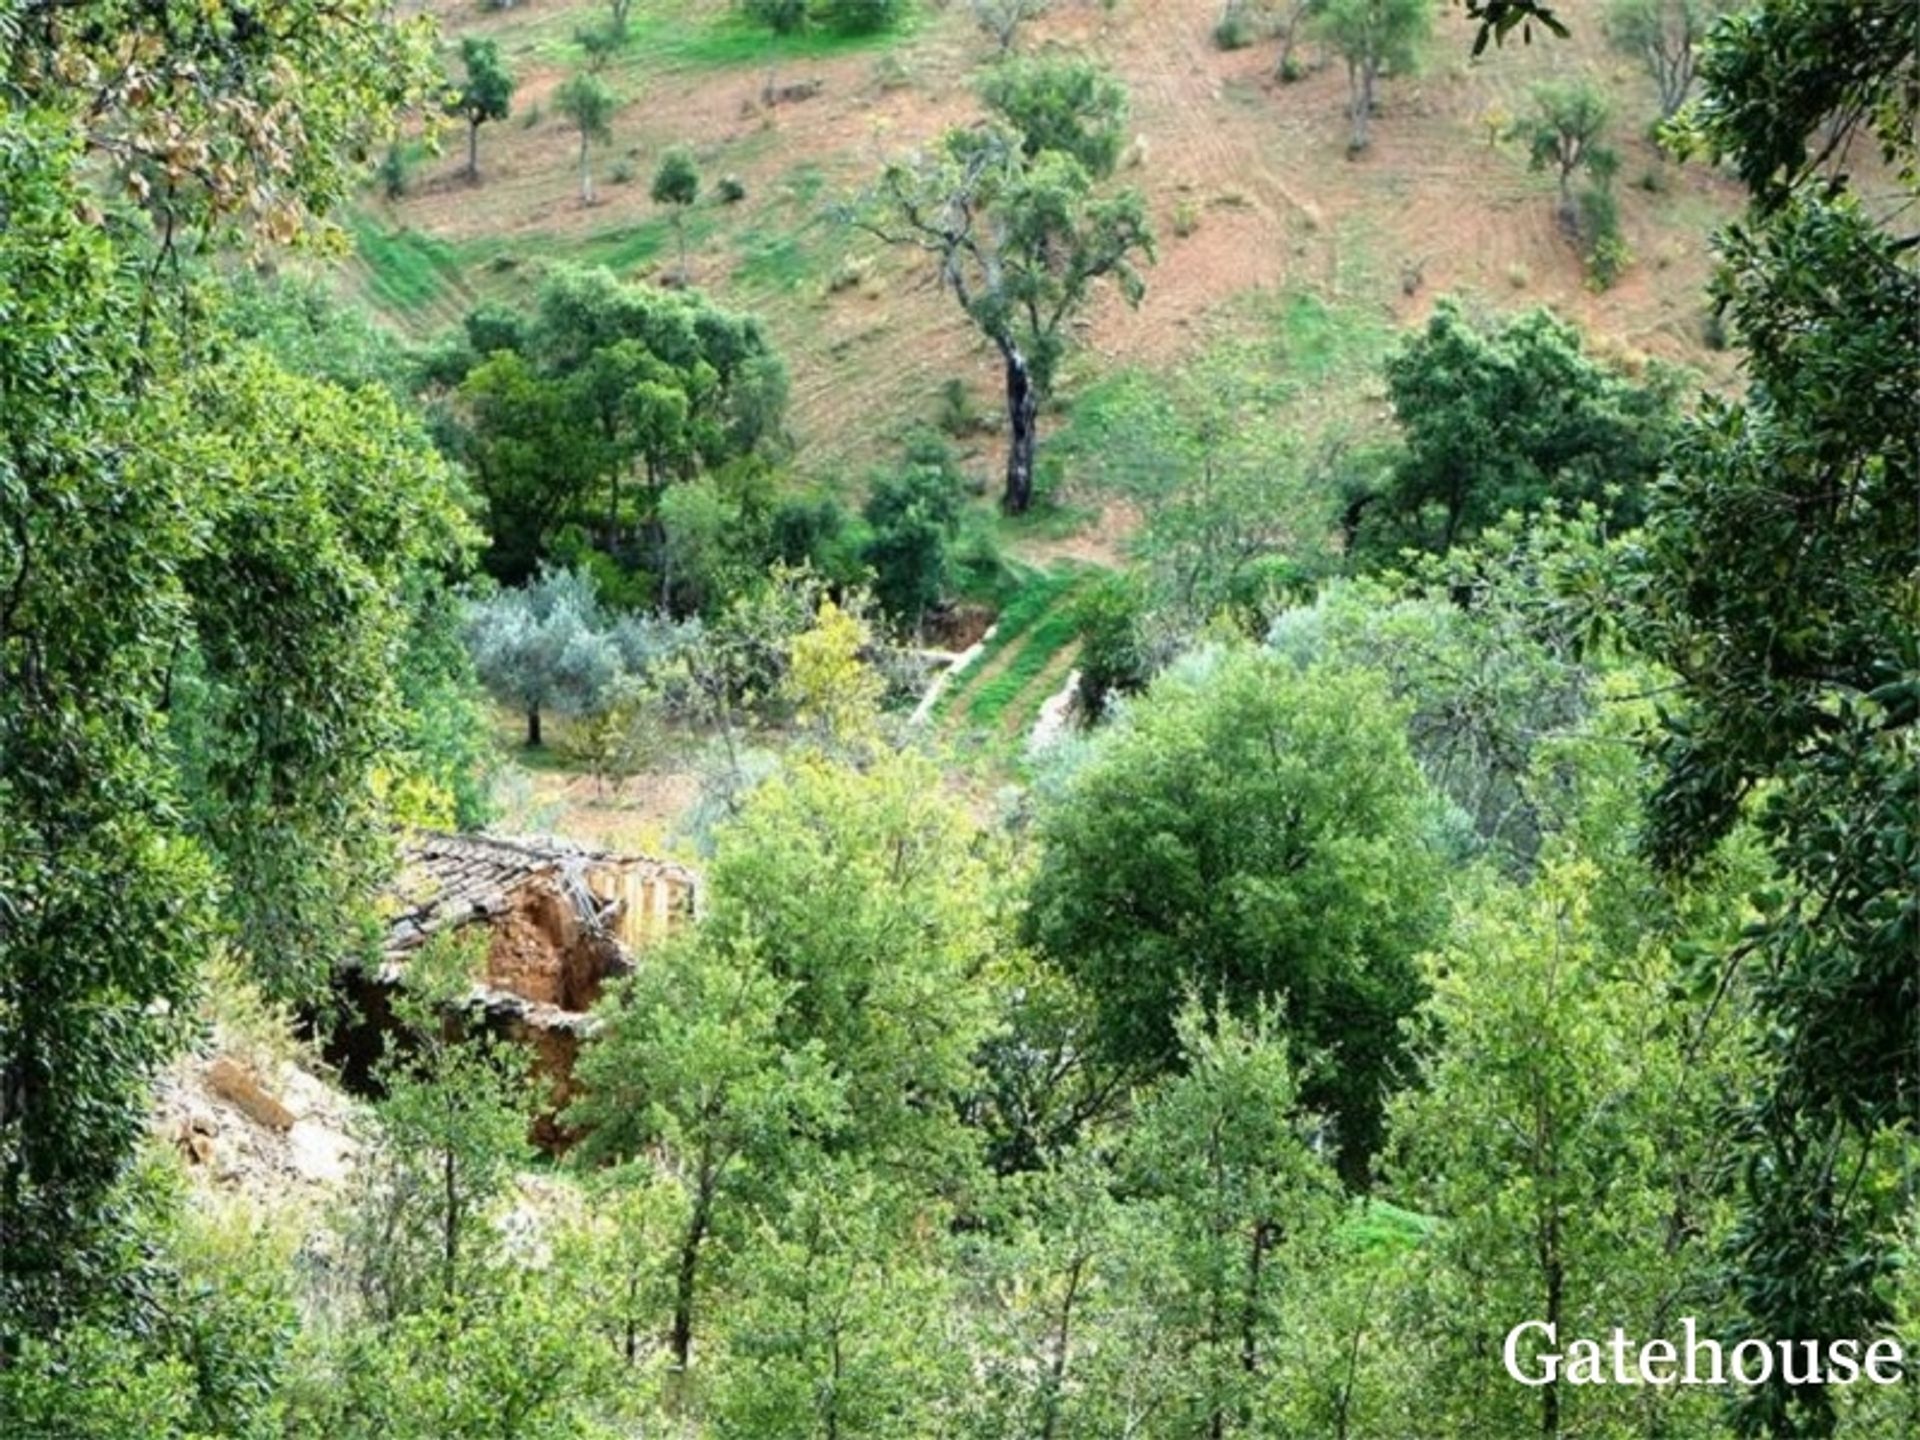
pixel 588 105
pixel 1372 36
pixel 1780 571
pixel 1547 1079
pixel 1019 242
pixel 486 95
pixel 1250 833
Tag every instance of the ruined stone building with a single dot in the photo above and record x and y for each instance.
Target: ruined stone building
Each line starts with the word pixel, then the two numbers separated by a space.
pixel 559 922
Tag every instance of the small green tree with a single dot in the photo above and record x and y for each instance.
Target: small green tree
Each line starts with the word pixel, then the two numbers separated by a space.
pixel 1564 136
pixel 677 183
pixel 1512 416
pixel 486 95
pixel 688 1065
pixel 914 512
pixel 1372 36
pixel 588 105
pixel 452 1131
pixel 1222 1163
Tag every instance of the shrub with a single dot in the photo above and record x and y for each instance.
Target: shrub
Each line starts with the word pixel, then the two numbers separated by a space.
pixel 1235 29
pixel 622 171
pixel 1186 218
pixel 861 17
pixel 731 189
pixel 957 415
pixel 1113 656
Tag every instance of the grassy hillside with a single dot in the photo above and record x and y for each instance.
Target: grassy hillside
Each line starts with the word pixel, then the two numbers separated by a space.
pixel 1254 171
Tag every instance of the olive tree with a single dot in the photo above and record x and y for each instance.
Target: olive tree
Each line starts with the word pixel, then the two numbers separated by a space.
pixel 1019 240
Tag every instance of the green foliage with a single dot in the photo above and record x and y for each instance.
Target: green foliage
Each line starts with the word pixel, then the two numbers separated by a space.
pixel 1107 617
pixel 453 1127
pixel 607 396
pixel 1514 418
pixel 1778 586
pixel 872 894
pixel 328 506
pixel 913 513
pixel 252 124
pixel 1534 1013
pixel 689 1065
pixel 1564 135
pixel 1493 647
pixel 1061 103
pixel 588 104
pixel 677 181
pixel 1153 882
pixel 1223 1162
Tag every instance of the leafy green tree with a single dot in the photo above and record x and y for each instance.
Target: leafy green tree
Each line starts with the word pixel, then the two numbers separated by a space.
pixel 1063 103
pixel 1113 645
pixel 1548 1080
pixel 1254 834
pixel 1516 417
pixel 486 95
pixel 1664 36
pixel 159 520
pixel 1222 1159
pixel 329 507
pixel 1222 487
pixel 847 1326
pixel 253 124
pixel 604 384
pixel 677 183
pixel 1779 571
pixel 452 1130
pixel 873 895
pixel 588 105
pixel 108 909
pixel 1372 36
pixel 689 1064
pixel 1565 135
pixel 1019 242
pixel 1496 649
pixel 914 514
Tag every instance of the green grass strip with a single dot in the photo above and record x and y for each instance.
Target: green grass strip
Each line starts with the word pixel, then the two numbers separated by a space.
pixel 1046 640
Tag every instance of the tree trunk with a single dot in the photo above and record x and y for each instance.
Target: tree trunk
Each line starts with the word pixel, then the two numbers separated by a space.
pixel 1023 421
pixel 1359 104
pixel 473 150
pixel 586 171
pixel 681 1341
pixel 533 727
